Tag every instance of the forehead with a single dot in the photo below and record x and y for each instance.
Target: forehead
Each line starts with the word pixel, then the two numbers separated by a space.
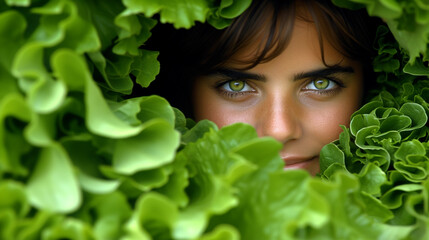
pixel 275 30
pixel 303 50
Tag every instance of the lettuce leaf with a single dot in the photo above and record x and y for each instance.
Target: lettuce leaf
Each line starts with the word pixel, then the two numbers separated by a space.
pixel 408 21
pixel 81 158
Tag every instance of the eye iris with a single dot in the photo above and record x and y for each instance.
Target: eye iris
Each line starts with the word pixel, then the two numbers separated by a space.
pixel 321 83
pixel 236 85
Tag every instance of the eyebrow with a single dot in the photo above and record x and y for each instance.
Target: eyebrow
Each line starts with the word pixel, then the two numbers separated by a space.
pixel 235 74
pixel 323 72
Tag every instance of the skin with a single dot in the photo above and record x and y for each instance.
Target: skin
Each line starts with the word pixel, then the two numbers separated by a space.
pixel 280 99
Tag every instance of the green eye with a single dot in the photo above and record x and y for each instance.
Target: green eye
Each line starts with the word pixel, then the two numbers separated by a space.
pixel 321 83
pixel 236 85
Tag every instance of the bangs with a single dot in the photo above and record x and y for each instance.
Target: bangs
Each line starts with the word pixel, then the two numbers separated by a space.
pixel 346 31
pixel 266 29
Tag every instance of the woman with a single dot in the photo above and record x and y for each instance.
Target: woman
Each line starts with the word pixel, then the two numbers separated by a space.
pixel 295 70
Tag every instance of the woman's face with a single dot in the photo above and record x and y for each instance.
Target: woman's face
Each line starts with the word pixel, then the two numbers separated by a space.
pixel 294 98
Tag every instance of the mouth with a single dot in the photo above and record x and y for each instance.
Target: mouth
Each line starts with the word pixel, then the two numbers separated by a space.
pixel 308 163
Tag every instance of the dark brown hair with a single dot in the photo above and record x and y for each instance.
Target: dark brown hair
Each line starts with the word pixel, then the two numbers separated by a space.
pixel 185 54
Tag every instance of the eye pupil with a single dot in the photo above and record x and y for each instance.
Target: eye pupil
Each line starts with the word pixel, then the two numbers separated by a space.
pixel 321 83
pixel 236 85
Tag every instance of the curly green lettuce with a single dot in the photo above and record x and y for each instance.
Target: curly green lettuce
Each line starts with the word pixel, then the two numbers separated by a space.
pixel 81 159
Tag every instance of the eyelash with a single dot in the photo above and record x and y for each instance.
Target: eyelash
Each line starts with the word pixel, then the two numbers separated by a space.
pixel 327 92
pixel 232 94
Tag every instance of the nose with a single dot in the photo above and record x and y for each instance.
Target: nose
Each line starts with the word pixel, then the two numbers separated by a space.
pixel 280 118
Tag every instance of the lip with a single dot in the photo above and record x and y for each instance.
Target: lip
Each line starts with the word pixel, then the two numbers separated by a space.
pixel 300 162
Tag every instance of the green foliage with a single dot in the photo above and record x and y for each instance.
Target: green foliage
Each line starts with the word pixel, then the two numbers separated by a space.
pixel 386 146
pixel 408 21
pixel 79 159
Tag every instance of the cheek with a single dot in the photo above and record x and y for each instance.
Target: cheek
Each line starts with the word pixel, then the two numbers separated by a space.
pixel 328 127
pixel 208 105
pixel 220 113
pixel 204 104
pixel 212 111
pixel 326 123
pixel 338 112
